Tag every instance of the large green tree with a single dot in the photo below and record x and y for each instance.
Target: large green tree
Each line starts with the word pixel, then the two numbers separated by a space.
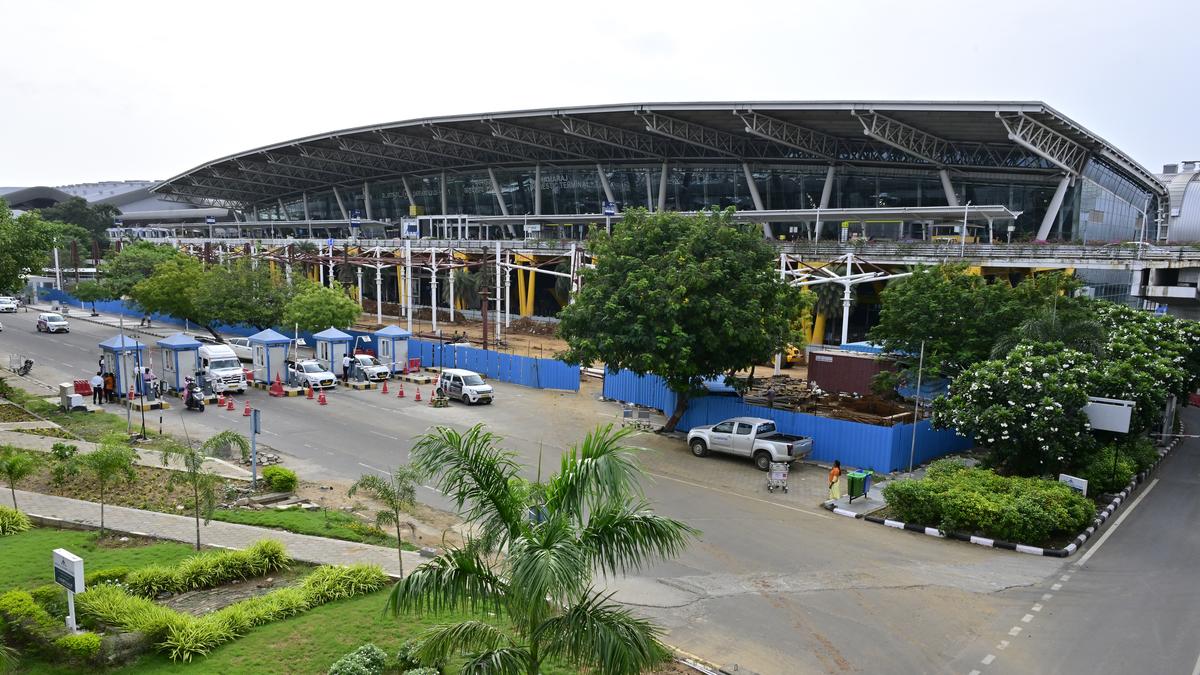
pixel 174 289
pixel 683 297
pixel 25 243
pixel 314 307
pixel 15 466
pixel 94 218
pixel 588 517
pixel 135 262
pixel 242 293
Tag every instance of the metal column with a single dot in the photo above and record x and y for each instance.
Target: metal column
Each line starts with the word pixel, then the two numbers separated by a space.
pixel 358 271
pixel 408 296
pixel 662 189
pixel 445 195
pixel 537 196
pixel 433 286
pixel 826 195
pixel 1052 210
pixel 951 198
pixel 608 193
pixel 757 198
pixel 367 199
pixel 307 216
pixel 378 292
pixel 341 207
pixel 499 293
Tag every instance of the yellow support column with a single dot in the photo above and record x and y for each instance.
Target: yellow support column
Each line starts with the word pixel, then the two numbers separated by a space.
pixel 818 334
pixel 521 292
pixel 529 289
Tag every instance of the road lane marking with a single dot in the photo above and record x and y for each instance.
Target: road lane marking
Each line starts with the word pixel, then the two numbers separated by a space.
pixel 386 473
pixel 1065 577
pixel 1027 618
pixel 1037 607
pixel 1047 596
pixel 372 431
pixel 741 496
pixel 987 660
pixel 1014 631
pixel 1056 587
pixel 430 487
pixel 974 672
pixel 1003 645
pixel 1100 542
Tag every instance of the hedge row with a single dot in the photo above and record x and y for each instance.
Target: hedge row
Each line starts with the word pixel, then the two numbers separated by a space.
pixel 1015 509
pixel 25 621
pixel 53 598
pixel 182 636
pixel 206 570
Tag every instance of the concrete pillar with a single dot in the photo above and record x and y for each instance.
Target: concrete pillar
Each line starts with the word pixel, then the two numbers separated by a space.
pixel 951 198
pixel 662 188
pixel 1052 210
pixel 608 193
pixel 756 198
pixel 537 189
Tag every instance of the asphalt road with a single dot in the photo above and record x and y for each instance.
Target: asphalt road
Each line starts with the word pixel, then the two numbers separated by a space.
pixel 775 583
pixel 1128 603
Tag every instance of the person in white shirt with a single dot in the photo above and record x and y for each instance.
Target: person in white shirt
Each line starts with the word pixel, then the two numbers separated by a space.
pixel 97 383
pixel 346 368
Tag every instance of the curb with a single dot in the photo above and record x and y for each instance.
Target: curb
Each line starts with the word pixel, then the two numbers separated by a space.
pixel 1071 548
pixel 91 319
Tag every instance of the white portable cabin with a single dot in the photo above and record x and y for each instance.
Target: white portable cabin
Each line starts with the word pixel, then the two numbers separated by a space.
pixel 270 349
pixel 331 345
pixel 393 347
pixel 179 358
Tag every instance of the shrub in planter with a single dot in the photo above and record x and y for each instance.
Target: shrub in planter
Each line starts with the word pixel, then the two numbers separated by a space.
pixel 1109 470
pixel 334 582
pixel 366 660
pixel 13 521
pixel 80 647
pixel 25 619
pixel 280 479
pixel 152 580
pixel 423 671
pixel 269 555
pixel 105 576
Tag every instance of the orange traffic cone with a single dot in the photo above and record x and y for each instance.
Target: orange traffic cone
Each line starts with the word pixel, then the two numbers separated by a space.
pixel 246 412
pixel 220 399
pixel 418 396
pixel 401 394
pixel 321 399
pixel 310 391
pixel 229 403
pixel 384 390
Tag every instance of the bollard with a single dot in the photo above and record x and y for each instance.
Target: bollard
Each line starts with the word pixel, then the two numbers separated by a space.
pixel 384 389
pixel 418 396
pixel 229 403
pixel 321 398
pixel 246 412
pixel 401 394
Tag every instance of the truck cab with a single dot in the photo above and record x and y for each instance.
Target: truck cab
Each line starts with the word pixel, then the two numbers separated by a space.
pixel 222 368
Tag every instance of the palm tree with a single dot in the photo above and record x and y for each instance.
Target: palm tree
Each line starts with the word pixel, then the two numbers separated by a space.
pixel 399 494
pixel 466 289
pixel 828 305
pixel 109 463
pixel 15 466
pixel 202 482
pixel 589 515
pixel 1079 332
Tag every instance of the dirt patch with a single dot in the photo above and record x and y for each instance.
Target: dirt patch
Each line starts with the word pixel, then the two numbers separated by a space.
pixel 208 600
pixel 53 432
pixel 13 413
pixel 434 526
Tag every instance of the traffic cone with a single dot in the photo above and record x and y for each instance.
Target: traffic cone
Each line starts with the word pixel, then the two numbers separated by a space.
pixel 384 390
pixel 246 412
pixel 321 399
pixel 310 391
pixel 220 399
pixel 418 396
pixel 401 394
pixel 229 403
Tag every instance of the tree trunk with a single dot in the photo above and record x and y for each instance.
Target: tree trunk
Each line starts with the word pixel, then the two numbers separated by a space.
pixel 102 510
pixel 196 503
pixel 681 404
pixel 750 380
pixel 212 331
pixel 13 489
pixel 399 545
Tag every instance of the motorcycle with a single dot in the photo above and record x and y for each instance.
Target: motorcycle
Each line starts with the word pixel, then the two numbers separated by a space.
pixel 193 397
pixel 24 368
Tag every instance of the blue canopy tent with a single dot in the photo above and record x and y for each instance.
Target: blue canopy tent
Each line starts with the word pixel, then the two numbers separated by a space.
pixel 332 345
pixel 123 357
pixel 270 352
pixel 393 347
pixel 179 358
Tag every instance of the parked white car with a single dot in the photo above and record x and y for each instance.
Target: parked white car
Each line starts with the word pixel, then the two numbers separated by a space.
pixel 8 304
pixel 241 347
pixel 51 322
pixel 465 385
pixel 371 368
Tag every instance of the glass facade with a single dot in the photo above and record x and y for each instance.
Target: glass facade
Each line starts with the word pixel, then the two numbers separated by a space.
pixel 1102 206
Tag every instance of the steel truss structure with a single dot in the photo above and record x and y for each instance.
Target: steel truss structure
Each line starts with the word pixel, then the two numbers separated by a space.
pixel 1027 138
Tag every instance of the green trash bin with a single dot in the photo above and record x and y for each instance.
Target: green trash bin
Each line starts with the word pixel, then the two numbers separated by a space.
pixel 856 484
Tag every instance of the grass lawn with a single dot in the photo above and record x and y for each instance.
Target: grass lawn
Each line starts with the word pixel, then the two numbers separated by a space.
pixel 335 524
pixel 25 562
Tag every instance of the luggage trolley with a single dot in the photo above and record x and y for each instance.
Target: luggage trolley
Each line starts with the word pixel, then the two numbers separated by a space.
pixel 777 476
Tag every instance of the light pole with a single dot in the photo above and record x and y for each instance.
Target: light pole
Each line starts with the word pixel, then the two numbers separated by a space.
pixel 912 450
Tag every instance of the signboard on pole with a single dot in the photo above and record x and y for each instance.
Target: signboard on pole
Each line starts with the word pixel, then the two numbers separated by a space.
pixel 68 570
pixel 1077 484
pixel 209 220
pixel 1109 414
pixel 410 228
pixel 610 208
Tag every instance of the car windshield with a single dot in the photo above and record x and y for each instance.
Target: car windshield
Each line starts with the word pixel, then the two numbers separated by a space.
pixel 368 360
pixel 311 367
pixel 472 380
pixel 224 364
pixel 54 317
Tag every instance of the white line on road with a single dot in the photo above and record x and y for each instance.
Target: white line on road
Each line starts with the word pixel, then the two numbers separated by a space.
pixel 386 473
pixel 1196 668
pixel 1014 631
pixel 1065 577
pixel 734 494
pixel 372 431
pixel 987 660
pixel 430 487
pixel 1003 645
pixel 1056 587
pixel 1092 551
pixel 974 672
pixel 1037 607
pixel 1027 618
pixel 1047 596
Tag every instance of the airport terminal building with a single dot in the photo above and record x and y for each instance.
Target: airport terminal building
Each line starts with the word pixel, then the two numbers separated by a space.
pixel 815 170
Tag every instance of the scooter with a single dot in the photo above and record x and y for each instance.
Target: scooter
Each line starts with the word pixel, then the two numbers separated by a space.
pixel 193 397
pixel 24 368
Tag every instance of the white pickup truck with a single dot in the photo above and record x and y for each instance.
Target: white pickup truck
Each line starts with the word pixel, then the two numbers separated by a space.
pixel 753 437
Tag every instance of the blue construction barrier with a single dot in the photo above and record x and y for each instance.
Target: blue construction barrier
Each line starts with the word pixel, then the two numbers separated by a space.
pixel 523 370
pixel 856 444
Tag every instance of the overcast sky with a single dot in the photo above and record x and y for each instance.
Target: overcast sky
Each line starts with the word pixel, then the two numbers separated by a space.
pixel 145 90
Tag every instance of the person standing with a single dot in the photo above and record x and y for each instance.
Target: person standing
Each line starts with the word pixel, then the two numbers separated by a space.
pixel 346 368
pixel 110 387
pixel 97 383
pixel 835 477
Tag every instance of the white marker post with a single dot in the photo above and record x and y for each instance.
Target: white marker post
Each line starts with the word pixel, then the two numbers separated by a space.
pixel 68 573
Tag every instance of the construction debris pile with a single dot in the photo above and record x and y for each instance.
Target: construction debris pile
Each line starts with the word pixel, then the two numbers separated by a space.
pixel 787 393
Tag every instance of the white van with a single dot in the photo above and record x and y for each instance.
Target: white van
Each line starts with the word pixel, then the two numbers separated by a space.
pixel 465 385
pixel 222 368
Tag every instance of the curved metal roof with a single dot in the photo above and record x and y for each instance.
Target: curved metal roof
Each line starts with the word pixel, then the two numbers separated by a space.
pixel 1019 137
